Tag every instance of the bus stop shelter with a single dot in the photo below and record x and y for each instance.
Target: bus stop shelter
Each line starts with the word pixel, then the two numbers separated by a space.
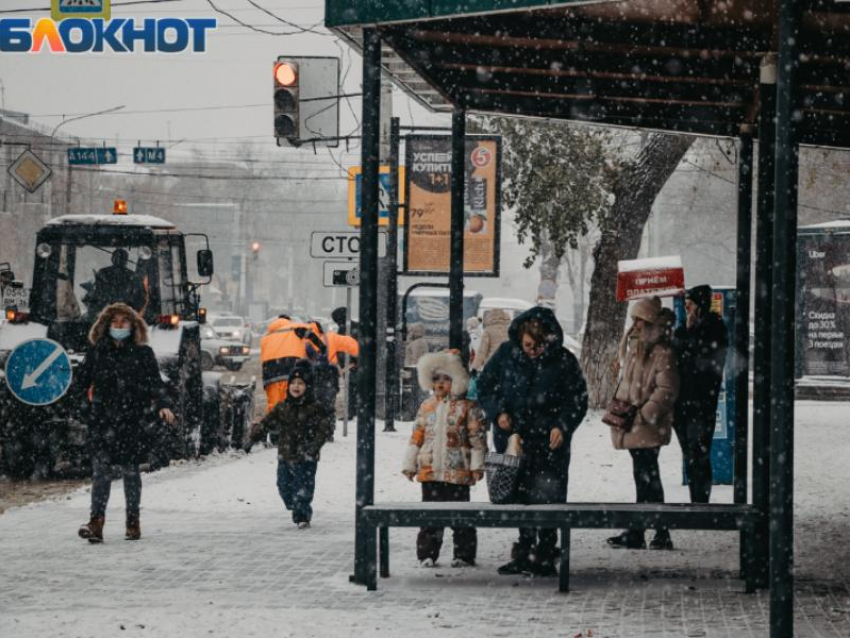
pixel 775 71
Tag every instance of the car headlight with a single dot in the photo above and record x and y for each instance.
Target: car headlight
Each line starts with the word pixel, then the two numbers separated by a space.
pixel 224 350
pixel 246 350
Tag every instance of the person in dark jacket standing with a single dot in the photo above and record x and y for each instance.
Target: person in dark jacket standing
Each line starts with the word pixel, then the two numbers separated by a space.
pixel 121 386
pixel 534 387
pixel 700 345
pixel 303 427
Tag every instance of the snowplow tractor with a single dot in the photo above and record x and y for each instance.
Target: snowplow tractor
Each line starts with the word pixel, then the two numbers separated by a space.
pixel 83 263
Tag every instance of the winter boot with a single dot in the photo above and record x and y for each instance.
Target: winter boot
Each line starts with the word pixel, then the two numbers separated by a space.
pixel 662 540
pixel 134 528
pixel 93 530
pixel 631 539
pixel 543 563
pixel 520 562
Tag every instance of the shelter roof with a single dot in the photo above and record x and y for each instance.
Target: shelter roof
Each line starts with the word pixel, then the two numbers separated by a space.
pixel 691 66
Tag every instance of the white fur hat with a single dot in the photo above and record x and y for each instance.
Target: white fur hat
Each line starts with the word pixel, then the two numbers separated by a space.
pixel 444 362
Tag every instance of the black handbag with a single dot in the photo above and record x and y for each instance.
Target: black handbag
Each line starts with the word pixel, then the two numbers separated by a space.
pixel 502 472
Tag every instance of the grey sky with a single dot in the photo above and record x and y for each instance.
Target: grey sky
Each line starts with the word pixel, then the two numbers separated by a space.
pixel 236 70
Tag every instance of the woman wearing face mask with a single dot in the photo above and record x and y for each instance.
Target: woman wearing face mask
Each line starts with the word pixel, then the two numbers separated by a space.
pixel 650 382
pixel 121 384
pixel 533 386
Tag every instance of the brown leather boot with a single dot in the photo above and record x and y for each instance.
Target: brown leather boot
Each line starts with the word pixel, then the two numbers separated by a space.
pixel 134 528
pixel 93 530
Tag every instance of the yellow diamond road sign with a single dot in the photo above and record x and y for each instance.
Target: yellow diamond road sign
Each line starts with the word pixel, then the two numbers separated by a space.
pixel 29 171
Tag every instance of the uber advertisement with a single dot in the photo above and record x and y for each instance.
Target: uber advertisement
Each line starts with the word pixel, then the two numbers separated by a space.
pixel 824 290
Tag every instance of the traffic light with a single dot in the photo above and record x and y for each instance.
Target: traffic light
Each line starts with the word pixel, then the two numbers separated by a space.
pixel 255 249
pixel 286 102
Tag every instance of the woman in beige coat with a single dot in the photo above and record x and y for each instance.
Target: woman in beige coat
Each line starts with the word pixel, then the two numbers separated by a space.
pixel 650 381
pixel 496 325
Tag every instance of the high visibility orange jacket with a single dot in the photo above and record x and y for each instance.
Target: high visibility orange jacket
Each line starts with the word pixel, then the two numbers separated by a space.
pixel 341 343
pixel 283 345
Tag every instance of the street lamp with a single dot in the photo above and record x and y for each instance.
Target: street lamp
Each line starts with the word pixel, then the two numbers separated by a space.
pixel 82 117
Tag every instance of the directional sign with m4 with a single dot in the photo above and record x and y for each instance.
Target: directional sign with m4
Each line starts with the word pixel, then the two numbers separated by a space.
pixel 148 155
pixel 89 156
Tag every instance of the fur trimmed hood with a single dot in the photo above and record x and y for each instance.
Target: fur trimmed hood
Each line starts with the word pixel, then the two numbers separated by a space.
pixel 445 362
pixel 100 329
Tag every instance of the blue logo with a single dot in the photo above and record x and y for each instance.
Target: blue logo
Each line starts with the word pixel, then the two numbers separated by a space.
pixel 97 35
pixel 39 372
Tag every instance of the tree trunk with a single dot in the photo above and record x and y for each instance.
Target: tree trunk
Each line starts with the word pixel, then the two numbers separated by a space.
pixel 635 193
pixel 549 266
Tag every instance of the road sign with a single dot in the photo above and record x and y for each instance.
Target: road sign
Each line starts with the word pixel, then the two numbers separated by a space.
pixel 88 156
pixel 345 244
pixel 148 155
pixel 345 274
pixel 355 186
pixel 29 171
pixel 38 372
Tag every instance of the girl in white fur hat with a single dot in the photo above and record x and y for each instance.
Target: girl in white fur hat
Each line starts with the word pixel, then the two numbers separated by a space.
pixel 446 451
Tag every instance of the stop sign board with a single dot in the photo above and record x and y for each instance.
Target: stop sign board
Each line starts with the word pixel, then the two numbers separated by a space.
pixel 341 244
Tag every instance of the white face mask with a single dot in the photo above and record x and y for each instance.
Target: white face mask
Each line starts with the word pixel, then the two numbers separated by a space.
pixel 119 334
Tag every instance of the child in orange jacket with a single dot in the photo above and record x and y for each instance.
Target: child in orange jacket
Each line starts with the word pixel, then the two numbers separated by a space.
pixel 446 451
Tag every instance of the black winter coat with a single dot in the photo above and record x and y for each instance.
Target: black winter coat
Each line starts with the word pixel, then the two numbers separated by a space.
pixel 539 394
pixel 303 426
pixel 126 393
pixel 701 358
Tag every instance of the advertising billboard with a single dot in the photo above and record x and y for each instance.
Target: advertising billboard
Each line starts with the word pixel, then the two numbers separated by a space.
pixel 427 231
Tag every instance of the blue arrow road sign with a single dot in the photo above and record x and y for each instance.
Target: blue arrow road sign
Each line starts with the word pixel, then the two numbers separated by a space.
pixel 148 155
pixel 88 156
pixel 38 372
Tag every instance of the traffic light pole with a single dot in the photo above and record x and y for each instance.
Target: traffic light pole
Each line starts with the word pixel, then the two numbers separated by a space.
pixel 391 395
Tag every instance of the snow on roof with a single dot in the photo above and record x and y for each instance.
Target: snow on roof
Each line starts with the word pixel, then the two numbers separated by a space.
pixel 112 220
pixel 440 292
pixel 505 303
pixel 650 263
pixel 837 224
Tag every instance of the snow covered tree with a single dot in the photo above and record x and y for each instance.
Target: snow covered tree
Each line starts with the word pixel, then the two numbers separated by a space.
pixel 556 178
pixel 635 191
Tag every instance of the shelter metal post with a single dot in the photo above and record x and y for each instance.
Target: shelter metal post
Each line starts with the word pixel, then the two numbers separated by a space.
pixel 782 327
pixel 742 314
pixel 364 537
pixel 742 338
pixel 764 279
pixel 456 259
pixel 392 392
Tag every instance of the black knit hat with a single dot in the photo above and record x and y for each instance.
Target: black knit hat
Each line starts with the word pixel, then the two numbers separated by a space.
pixel 701 296
pixel 303 370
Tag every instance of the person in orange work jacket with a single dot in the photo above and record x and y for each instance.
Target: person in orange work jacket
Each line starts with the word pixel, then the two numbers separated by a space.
pixel 280 348
pixel 336 344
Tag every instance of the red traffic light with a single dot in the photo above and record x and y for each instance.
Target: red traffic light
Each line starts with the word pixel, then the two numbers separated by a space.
pixel 285 74
pixel 255 246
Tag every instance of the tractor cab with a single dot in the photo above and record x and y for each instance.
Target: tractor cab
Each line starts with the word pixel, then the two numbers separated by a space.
pixel 83 263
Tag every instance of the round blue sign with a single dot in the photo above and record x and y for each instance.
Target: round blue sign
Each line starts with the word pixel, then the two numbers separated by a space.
pixel 38 372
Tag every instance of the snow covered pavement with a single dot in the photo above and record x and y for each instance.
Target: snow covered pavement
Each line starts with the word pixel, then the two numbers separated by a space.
pixel 220 557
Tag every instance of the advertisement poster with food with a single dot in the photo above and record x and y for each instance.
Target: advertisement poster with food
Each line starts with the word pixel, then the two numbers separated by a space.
pixel 428 188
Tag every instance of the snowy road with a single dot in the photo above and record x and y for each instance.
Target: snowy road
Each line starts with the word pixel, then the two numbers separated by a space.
pixel 219 557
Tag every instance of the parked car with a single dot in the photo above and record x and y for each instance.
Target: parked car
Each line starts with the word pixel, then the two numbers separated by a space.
pixel 216 351
pixel 231 327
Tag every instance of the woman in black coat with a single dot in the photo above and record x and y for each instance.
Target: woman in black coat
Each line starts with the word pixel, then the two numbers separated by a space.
pixel 121 384
pixel 533 386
